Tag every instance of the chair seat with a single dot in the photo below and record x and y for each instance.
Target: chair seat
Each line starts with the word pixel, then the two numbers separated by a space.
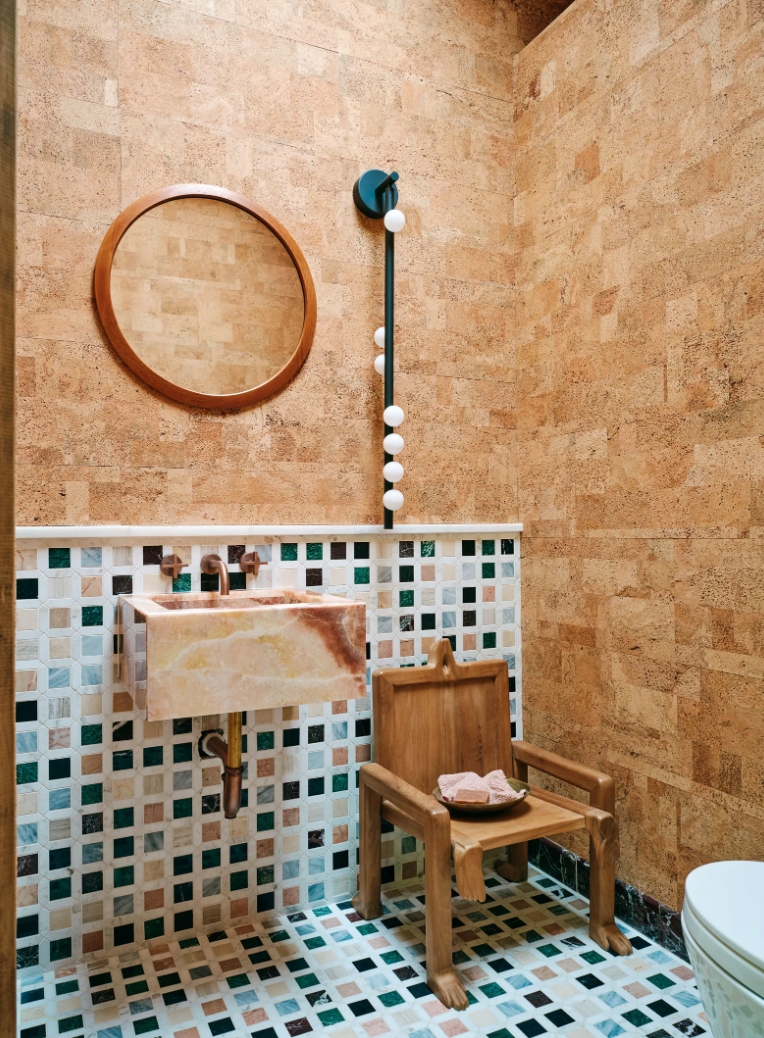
pixel 528 821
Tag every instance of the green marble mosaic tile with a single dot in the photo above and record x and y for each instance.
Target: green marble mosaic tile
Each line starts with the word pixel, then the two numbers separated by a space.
pixel 91 734
pixel 92 616
pixel 59 558
pixel 26 773
pixel 265 821
pixel 661 981
pixel 92 793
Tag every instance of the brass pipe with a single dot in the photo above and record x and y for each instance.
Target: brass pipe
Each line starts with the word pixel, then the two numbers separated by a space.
pixel 230 754
pixel 234 740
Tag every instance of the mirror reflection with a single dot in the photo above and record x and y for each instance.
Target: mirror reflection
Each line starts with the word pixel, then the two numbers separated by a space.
pixel 207 296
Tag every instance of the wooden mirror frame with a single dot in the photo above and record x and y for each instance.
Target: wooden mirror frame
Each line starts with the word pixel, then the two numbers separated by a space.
pixel 102 281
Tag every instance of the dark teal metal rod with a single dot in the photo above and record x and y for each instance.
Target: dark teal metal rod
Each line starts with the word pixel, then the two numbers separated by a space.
pixel 389 319
pixel 375 194
pixel 389 180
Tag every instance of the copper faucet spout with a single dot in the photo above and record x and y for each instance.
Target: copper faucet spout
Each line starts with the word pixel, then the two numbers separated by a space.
pixel 212 564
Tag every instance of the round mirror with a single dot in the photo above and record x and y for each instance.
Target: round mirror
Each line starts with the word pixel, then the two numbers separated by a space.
pixel 205 296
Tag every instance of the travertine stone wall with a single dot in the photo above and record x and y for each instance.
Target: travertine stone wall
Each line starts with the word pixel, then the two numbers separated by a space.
pixel 639 134
pixel 287 104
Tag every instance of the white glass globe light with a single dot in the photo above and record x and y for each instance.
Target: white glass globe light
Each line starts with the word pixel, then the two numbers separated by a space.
pixel 393 415
pixel 379 338
pixel 392 499
pixel 395 220
pixel 393 443
pixel 393 471
pixel 379 363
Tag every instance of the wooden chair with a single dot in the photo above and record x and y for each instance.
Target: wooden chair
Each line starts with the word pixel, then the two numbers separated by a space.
pixel 448 717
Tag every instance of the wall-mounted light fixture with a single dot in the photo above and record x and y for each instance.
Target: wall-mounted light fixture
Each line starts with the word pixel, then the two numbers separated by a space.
pixel 376 196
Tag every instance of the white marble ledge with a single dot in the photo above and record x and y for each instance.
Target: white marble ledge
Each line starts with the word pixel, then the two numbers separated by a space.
pixel 54 536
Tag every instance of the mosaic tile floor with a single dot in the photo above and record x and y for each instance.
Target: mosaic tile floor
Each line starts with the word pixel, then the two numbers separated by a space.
pixel 525 956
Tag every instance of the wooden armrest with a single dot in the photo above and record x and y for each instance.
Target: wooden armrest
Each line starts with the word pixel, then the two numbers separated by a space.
pixel 402 794
pixel 599 786
pixel 601 825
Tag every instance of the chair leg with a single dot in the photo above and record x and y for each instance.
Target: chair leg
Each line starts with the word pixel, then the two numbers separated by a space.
pixel 515 868
pixel 602 927
pixel 441 975
pixel 468 867
pixel 367 902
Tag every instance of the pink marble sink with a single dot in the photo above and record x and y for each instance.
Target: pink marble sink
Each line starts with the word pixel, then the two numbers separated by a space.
pixel 191 654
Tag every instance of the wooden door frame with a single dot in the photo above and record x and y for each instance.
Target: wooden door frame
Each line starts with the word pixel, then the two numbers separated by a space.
pixel 7 547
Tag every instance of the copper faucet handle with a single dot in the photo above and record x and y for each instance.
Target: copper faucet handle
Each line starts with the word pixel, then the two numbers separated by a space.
pixel 250 563
pixel 172 566
pixel 208 565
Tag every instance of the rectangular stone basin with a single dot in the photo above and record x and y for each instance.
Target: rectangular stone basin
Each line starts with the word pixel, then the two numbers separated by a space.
pixel 188 654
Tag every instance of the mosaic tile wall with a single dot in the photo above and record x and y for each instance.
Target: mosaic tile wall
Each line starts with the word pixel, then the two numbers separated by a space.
pixel 120 833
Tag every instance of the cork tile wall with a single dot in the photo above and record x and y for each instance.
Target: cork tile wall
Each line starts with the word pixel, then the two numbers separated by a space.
pixel 639 130
pixel 286 104
pixel 120 833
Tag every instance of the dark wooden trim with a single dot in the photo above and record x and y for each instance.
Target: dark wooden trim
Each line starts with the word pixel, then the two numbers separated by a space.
pixel 7 532
pixel 102 282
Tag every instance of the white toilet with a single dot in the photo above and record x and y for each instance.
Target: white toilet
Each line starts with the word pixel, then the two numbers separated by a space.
pixel 723 921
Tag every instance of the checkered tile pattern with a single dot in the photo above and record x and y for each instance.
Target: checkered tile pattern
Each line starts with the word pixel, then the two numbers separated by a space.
pixel 120 834
pixel 525 957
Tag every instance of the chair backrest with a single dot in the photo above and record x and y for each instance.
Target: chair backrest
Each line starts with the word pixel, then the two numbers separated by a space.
pixel 442 718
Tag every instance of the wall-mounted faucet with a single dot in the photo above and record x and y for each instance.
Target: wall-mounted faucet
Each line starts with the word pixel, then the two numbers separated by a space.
pixel 250 563
pixel 172 566
pixel 212 564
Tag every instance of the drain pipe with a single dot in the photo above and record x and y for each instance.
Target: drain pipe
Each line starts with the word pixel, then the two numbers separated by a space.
pixel 213 745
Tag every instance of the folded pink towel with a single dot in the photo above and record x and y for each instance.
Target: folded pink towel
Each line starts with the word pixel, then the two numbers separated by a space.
pixel 466 787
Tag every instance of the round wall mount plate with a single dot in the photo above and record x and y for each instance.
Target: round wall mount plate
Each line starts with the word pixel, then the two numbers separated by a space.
pixel 365 194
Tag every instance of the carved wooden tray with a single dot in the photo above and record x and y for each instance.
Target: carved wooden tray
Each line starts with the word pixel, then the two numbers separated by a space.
pixel 485 809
